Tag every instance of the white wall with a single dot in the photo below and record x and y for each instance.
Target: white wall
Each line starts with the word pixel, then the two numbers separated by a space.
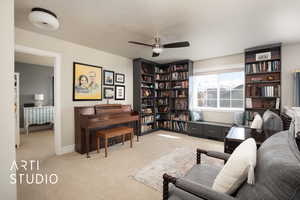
pixel 290 63
pixel 73 52
pixel 214 64
pixel 7 141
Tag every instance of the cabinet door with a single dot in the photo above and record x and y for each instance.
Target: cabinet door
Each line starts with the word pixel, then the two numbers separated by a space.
pixel 213 132
pixel 195 129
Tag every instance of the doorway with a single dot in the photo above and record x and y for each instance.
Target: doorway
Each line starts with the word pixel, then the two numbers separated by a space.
pixel 38 99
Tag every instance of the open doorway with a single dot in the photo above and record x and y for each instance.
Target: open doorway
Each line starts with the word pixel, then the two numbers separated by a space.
pixel 37 101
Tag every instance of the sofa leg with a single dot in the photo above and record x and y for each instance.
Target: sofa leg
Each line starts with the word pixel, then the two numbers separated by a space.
pixel 167 179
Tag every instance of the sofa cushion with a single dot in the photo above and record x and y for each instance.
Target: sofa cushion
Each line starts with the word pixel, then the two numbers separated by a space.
pixel 277 173
pixel 272 122
pixel 257 122
pixel 239 166
pixel 203 174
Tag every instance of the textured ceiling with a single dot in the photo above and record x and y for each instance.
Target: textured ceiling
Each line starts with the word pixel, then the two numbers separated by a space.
pixel 214 27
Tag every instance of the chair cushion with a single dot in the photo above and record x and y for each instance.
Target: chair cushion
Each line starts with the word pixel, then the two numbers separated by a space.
pixel 203 174
pixel 240 164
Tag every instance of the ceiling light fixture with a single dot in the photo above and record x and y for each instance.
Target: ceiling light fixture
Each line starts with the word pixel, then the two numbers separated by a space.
pixel 43 19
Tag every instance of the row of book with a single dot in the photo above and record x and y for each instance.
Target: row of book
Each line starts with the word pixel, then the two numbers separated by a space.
pixel 162 77
pixel 264 104
pixel 147 119
pixel 181 104
pixel 147 110
pixel 147 78
pixel 263 91
pixel 180 116
pixel 162 85
pixel 161 102
pixel 269 66
pixel 162 109
pixel 180 93
pixel 163 124
pixel 147 102
pixel 179 126
pixel 175 94
pixel 146 127
pixel 179 75
pixel 162 69
pixel 183 67
pixel 181 84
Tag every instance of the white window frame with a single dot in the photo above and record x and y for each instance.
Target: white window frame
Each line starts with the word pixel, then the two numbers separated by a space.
pixel 218 108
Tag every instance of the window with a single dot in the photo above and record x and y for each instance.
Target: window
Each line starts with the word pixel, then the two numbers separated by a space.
pixel 219 91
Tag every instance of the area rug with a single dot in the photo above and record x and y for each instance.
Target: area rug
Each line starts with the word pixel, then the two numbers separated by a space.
pixel 176 163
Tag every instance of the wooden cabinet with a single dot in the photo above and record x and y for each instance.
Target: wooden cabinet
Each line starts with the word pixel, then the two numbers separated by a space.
pixel 210 130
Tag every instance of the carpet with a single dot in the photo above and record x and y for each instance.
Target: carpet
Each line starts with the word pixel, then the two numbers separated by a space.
pixel 176 163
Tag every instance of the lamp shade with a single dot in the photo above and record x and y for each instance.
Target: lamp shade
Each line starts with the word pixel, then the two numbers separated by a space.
pixel 39 97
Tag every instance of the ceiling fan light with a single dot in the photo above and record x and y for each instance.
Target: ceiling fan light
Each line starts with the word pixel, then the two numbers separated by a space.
pixel 157 50
pixel 43 19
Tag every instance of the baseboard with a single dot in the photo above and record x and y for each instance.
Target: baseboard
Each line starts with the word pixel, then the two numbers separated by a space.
pixel 67 149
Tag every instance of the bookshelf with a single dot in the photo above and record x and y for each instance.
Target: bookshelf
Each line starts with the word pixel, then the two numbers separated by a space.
pixel 262 80
pixel 170 97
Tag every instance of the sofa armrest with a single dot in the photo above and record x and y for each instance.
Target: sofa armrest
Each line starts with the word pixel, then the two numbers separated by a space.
pixel 214 154
pixel 198 190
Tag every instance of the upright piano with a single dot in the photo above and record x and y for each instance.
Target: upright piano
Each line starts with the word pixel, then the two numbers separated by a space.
pixel 89 119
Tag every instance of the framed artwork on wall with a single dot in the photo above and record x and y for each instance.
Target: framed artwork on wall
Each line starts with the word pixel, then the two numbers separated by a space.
pixel 108 77
pixel 108 93
pixel 119 92
pixel 120 78
pixel 87 82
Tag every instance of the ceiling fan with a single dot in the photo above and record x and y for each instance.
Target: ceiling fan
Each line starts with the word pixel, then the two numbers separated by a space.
pixel 157 47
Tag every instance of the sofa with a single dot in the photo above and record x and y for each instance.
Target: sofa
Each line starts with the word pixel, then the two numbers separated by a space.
pixel 277 175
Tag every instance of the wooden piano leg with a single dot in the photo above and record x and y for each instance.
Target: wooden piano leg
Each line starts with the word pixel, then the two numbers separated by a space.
pixel 105 141
pixel 131 138
pixel 87 142
pixel 123 138
pixel 98 143
pixel 137 130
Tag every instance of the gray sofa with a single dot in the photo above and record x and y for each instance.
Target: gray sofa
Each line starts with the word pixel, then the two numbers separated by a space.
pixel 277 175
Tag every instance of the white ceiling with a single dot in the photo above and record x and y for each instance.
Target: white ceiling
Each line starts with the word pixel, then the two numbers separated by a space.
pixel 33 59
pixel 214 27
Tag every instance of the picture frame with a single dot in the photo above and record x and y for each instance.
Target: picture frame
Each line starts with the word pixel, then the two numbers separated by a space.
pixel 120 78
pixel 108 77
pixel 87 82
pixel 108 93
pixel 119 92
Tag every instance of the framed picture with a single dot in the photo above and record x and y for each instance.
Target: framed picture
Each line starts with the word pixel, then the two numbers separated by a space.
pixel 108 77
pixel 87 82
pixel 108 93
pixel 120 78
pixel 119 92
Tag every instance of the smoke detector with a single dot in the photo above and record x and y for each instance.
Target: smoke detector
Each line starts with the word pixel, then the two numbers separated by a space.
pixel 43 19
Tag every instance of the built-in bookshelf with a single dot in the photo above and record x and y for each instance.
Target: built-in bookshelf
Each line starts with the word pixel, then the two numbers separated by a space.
pixel 262 80
pixel 168 98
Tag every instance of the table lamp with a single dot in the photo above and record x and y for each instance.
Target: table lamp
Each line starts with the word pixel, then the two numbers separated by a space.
pixel 39 98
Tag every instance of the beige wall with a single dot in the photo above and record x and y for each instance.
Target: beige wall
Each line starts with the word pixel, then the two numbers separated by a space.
pixel 73 52
pixel 7 142
pixel 214 64
pixel 290 63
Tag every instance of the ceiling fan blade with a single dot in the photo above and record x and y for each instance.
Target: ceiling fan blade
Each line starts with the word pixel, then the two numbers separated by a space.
pixel 177 44
pixel 155 54
pixel 140 43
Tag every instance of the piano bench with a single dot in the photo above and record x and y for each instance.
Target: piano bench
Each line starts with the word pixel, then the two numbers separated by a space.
pixel 113 132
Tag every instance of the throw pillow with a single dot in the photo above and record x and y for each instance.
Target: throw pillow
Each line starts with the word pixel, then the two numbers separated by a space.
pixel 239 167
pixel 257 122
pixel 196 116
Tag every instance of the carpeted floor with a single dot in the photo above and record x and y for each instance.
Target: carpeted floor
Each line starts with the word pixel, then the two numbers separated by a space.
pixel 109 178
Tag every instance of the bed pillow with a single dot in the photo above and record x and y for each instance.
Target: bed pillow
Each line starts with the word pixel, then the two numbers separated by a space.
pixel 239 167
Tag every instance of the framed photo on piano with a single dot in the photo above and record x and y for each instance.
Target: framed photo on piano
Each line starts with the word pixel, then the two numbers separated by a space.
pixel 87 82
pixel 119 92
